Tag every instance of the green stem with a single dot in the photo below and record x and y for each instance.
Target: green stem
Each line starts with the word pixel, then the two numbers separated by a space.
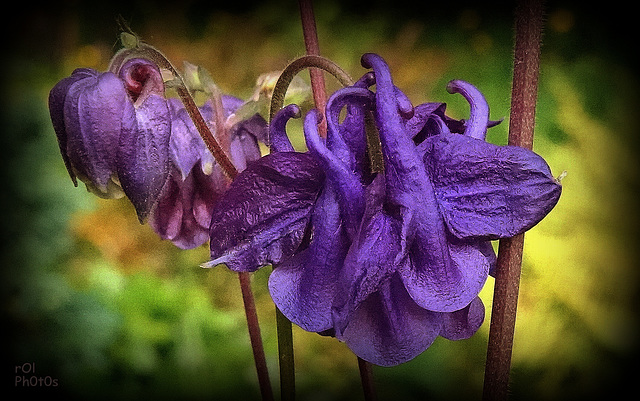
pixel 297 65
pixel 285 354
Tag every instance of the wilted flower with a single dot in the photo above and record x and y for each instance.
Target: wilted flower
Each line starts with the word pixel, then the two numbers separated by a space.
pixel 121 136
pixel 113 131
pixel 386 262
pixel 196 181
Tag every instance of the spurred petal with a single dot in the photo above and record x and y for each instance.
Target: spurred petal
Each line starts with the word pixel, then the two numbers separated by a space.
pixel 348 139
pixel 488 191
pixel 263 215
pixel 476 127
pixel 277 133
pixel 389 328
pixel 348 187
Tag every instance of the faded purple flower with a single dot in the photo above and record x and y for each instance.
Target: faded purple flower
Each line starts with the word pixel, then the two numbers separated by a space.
pixel 196 181
pixel 386 262
pixel 121 136
pixel 113 131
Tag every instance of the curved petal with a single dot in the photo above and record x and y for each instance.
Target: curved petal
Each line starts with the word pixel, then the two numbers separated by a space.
pixel 304 286
pixel 348 140
pixel 57 98
pixel 487 191
pixel 389 328
pixel 347 185
pixel 263 215
pixel 143 155
pixel 476 126
pixel 277 129
pixel 462 324
pixel 95 110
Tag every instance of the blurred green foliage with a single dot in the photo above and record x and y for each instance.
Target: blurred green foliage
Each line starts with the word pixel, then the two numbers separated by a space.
pixel 98 302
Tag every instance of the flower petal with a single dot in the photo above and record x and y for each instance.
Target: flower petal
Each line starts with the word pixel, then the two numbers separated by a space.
pixel 389 328
pixel 304 286
pixel 263 215
pixel 462 324
pixel 488 191
pixel 476 126
pixel 371 258
pixel 57 98
pixel 143 157
pixel 349 189
pixel 95 111
pixel 277 129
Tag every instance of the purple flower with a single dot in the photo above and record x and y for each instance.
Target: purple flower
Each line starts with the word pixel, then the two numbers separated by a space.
pixel 386 262
pixel 113 131
pixel 196 181
pixel 120 136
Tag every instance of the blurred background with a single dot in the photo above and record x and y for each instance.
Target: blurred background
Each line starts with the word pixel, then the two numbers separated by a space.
pixel 96 301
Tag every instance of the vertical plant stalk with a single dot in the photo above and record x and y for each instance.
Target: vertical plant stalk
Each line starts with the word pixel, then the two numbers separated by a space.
pixel 141 49
pixel 255 337
pixel 285 357
pixel 318 86
pixel 366 378
pixel 528 31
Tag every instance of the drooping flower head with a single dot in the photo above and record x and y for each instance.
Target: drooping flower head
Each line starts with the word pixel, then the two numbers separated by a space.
pixel 113 131
pixel 196 181
pixel 119 135
pixel 386 262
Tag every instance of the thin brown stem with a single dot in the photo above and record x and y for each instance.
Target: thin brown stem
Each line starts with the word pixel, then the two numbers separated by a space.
pixel 141 49
pixel 312 46
pixel 528 27
pixel 366 377
pixel 255 336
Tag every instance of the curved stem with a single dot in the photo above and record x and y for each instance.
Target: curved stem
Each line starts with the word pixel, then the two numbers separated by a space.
pixel 144 50
pixel 297 65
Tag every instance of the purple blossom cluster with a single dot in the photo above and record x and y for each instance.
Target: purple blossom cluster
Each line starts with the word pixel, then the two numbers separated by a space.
pixel 120 135
pixel 385 261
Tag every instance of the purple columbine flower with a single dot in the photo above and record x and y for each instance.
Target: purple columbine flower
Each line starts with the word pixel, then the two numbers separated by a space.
pixel 196 181
pixel 120 136
pixel 113 131
pixel 386 262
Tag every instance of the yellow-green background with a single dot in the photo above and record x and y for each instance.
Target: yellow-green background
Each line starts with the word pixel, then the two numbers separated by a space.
pixel 99 303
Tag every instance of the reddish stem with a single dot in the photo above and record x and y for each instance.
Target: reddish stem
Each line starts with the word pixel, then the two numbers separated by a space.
pixel 255 337
pixel 310 34
pixel 528 27
pixel 366 377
